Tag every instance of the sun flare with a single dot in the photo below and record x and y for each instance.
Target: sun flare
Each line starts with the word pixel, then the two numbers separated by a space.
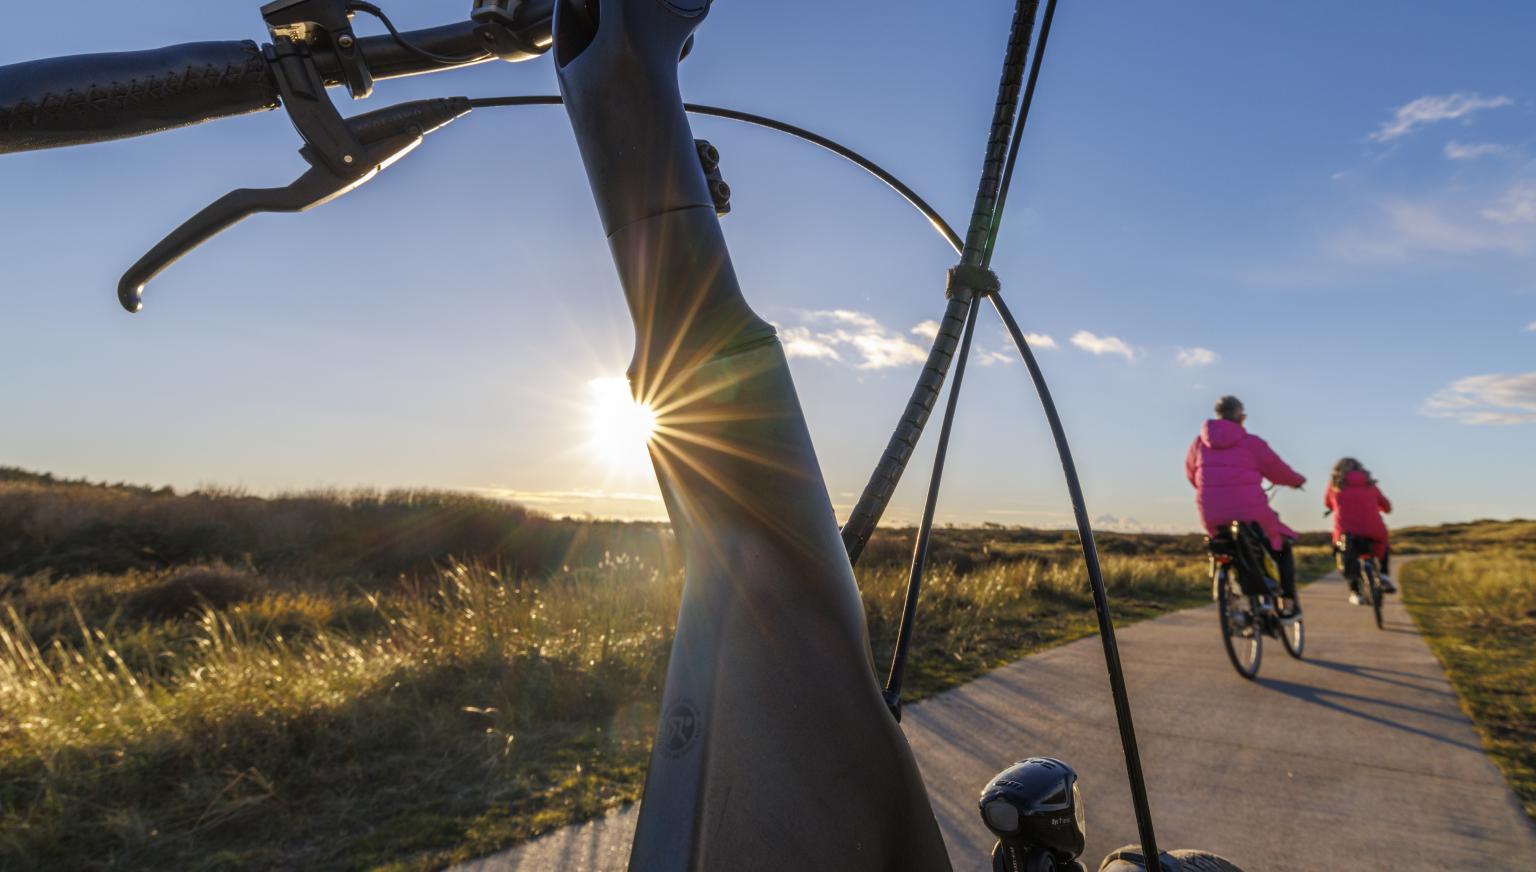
pixel 619 426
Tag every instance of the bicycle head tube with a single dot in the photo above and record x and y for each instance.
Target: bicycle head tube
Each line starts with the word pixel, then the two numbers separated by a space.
pixel 775 750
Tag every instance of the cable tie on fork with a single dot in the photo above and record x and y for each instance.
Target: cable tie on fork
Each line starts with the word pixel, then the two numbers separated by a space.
pixel 965 281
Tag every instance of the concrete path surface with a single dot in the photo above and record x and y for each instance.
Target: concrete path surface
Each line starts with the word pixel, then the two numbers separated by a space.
pixel 1358 757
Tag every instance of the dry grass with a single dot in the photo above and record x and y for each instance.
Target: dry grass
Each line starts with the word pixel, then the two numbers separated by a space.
pixel 396 681
pixel 1478 612
pixel 1516 534
pixel 466 714
pixel 481 705
pixel 971 623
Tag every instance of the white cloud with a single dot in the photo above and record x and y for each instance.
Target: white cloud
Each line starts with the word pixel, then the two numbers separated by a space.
pixel 849 335
pixel 927 329
pixel 1486 399
pixel 1196 356
pixel 1531 327
pixel 1039 340
pixel 861 320
pixel 880 351
pixel 1472 150
pixel 993 358
pixel 1431 109
pixel 1113 523
pixel 1102 344
pixel 801 342
pixel 1518 206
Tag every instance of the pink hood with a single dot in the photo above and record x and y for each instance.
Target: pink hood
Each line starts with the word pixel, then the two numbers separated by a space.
pixel 1219 433
pixel 1227 466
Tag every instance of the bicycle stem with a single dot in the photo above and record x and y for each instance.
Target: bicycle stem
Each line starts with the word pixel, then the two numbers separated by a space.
pixel 774 749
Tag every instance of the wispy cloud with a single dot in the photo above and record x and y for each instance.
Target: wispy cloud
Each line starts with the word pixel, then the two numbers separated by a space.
pixel 859 320
pixel 1531 327
pixel 1518 206
pixel 1486 399
pixel 844 334
pixel 993 358
pixel 1094 344
pixel 1431 109
pixel 1472 150
pixel 1415 227
pixel 1196 356
pixel 1117 524
pixel 1039 340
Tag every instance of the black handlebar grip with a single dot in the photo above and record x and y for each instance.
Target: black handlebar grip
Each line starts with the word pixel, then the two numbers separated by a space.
pixel 97 97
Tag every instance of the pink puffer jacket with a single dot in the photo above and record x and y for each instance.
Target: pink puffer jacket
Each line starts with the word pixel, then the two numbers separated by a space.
pixel 1357 509
pixel 1227 466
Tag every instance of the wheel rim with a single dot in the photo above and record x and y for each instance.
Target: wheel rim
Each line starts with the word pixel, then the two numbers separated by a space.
pixel 1240 630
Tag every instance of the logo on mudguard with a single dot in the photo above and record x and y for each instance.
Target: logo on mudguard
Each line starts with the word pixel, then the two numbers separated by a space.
pixel 681 728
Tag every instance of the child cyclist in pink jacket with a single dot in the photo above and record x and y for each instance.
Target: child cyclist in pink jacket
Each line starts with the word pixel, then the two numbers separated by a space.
pixel 1357 504
pixel 1227 466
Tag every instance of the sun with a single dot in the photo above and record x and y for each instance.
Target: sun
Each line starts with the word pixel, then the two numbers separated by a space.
pixel 619 427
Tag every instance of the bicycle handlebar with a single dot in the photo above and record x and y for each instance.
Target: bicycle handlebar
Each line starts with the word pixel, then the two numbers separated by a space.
pixel 90 98
pixel 98 97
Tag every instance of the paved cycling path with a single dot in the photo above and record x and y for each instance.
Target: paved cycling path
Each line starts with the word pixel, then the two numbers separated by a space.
pixel 1358 757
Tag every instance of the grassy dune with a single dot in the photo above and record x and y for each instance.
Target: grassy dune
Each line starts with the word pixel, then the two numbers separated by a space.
pixel 1469 536
pixel 1478 612
pixel 398 680
pixel 267 735
pixel 400 730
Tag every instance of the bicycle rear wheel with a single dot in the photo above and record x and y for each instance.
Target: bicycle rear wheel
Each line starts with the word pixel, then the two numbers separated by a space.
pixel 1372 587
pixel 1293 633
pixel 1240 630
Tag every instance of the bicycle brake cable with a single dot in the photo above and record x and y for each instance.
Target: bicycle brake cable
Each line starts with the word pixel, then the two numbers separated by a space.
pixel 400 40
pixel 877 494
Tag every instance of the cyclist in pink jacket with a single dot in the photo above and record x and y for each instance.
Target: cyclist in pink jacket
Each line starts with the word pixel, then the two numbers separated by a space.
pixel 1227 466
pixel 1357 504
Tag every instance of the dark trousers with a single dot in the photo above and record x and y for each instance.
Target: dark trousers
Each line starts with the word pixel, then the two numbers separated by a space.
pixel 1386 562
pixel 1285 560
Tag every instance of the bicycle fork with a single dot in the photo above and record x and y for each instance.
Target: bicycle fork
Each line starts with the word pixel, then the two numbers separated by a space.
pixel 775 749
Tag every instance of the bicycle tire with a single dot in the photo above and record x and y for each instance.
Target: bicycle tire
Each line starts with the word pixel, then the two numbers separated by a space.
pixel 1368 569
pixel 1231 635
pixel 1293 635
pixel 1363 584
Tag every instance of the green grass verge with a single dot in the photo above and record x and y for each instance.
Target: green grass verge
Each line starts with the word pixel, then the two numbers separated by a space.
pixel 1477 610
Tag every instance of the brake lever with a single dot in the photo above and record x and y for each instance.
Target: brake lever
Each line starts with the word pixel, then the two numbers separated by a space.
pixel 386 136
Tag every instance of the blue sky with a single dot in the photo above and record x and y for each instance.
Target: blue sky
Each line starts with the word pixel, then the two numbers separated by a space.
pixel 1328 212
